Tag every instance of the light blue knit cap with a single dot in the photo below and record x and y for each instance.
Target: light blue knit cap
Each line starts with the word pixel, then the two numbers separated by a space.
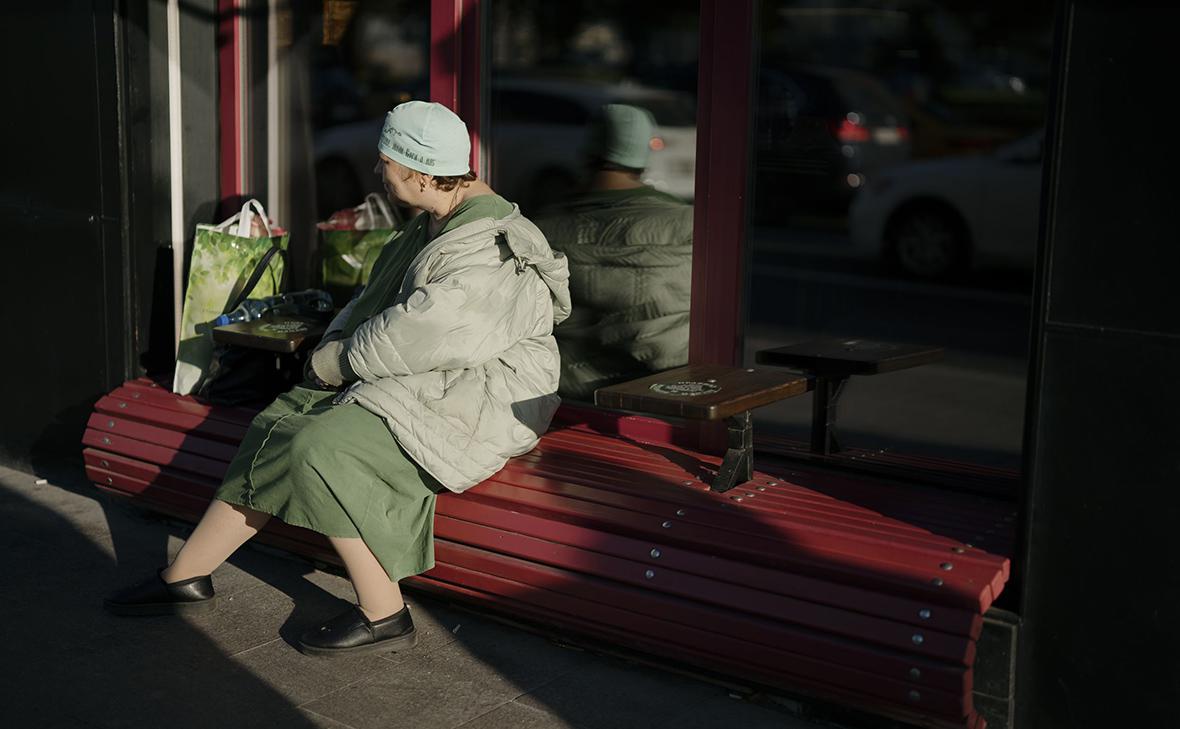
pixel 623 135
pixel 427 137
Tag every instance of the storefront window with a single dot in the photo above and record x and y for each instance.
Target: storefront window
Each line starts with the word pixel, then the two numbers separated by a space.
pixel 593 133
pixel 895 196
pixel 367 56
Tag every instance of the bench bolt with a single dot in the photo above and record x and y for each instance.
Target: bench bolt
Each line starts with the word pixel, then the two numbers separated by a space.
pixel 924 614
pixel 915 674
pixel 915 696
pixel 958 550
pixel 667 525
pixel 937 582
pixel 122 405
pixel 918 639
pixel 655 553
pixel 681 512
pixel 110 423
pixel 649 574
pixel 947 566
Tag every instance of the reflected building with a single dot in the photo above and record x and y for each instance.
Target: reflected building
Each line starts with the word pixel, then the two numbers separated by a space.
pixel 630 256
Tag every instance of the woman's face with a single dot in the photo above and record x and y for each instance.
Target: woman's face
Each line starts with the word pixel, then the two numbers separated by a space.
pixel 401 183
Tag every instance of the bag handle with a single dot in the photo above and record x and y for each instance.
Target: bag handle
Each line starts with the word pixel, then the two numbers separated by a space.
pixel 244 218
pixel 368 210
pixel 256 276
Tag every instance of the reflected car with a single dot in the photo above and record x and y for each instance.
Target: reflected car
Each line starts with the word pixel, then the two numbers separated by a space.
pixel 819 134
pixel 938 218
pixel 537 141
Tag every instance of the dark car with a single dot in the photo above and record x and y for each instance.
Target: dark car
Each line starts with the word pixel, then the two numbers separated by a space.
pixel 820 134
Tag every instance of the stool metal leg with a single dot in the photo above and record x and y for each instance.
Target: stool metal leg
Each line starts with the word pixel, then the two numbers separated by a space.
pixel 738 465
pixel 823 414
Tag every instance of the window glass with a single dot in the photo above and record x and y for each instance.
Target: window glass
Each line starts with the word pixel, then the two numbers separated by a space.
pixel 895 197
pixel 367 56
pixel 592 131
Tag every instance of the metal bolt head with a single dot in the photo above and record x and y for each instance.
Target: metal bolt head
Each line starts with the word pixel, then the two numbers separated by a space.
pixel 947 566
pixel 924 613
pixel 655 553
pixel 110 480
pixel 122 405
pixel 667 525
pixel 649 574
pixel 711 380
pixel 958 550
pixel 688 483
pixel 106 441
pixel 774 483
pixel 937 582
pixel 106 464
pixel 110 423
pixel 736 498
pixel 915 674
pixel 915 696
pixel 761 488
pixel 135 396
pixel 918 639
pixel 681 512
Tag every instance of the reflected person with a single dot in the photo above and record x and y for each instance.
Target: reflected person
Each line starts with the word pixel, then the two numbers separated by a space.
pixel 630 257
pixel 429 380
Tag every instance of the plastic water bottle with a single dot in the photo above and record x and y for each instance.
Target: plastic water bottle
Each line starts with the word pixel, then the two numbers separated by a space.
pixel 248 310
pixel 311 300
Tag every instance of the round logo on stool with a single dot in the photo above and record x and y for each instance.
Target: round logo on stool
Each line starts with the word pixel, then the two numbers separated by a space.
pixel 685 389
pixel 283 327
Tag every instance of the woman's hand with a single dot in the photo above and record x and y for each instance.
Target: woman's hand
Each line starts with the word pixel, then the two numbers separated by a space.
pixel 329 366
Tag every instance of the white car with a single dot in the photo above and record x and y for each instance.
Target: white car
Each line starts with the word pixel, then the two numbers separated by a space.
pixel 933 219
pixel 537 142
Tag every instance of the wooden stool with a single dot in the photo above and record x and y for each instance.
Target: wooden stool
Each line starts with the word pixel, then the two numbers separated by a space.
pixel 831 362
pixel 709 392
pixel 281 334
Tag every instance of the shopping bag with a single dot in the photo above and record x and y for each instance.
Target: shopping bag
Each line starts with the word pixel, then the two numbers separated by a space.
pixel 224 257
pixel 350 242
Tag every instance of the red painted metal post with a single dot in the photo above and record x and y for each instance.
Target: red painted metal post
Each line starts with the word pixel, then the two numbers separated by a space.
pixel 726 42
pixel 229 99
pixel 455 54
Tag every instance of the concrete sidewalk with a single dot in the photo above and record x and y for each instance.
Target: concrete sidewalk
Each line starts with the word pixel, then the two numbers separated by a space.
pixel 66 663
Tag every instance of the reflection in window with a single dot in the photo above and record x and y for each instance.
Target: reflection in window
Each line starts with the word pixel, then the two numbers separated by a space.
pixel 895 193
pixel 367 56
pixel 593 134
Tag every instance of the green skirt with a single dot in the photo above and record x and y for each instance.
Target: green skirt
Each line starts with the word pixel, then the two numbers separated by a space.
pixel 337 470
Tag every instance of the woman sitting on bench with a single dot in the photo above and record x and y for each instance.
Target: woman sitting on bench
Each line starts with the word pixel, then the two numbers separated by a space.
pixel 438 372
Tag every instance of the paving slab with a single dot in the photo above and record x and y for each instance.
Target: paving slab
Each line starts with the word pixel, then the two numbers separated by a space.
pixel 69 664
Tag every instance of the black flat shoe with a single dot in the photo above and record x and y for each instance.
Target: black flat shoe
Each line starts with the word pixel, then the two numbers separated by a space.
pixel 156 597
pixel 351 633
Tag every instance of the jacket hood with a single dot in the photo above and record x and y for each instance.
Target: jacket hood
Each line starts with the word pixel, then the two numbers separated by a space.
pixel 529 249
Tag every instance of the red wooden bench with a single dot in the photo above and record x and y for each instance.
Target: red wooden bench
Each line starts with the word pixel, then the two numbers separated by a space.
pixel 868 594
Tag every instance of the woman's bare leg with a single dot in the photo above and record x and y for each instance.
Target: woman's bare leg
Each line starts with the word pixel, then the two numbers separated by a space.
pixel 222 529
pixel 378 596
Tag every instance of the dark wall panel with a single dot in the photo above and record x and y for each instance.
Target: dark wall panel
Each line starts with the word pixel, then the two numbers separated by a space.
pixel 59 208
pixel 1101 595
pixel 1104 574
pixel 1117 250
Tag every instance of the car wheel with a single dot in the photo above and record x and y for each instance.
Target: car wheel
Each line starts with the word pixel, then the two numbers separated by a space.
pixel 928 243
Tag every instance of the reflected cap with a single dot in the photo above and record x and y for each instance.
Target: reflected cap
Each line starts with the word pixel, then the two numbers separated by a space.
pixel 623 136
pixel 427 137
